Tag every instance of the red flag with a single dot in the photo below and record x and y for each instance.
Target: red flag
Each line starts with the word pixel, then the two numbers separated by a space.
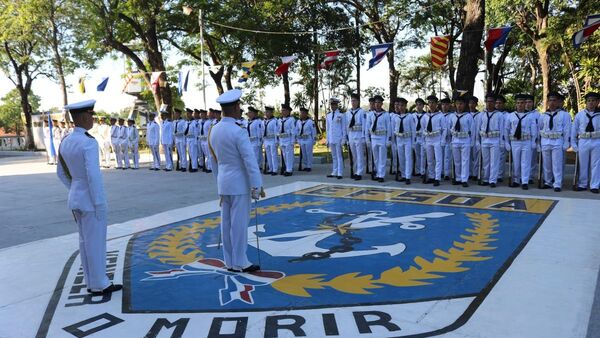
pixel 286 62
pixel 330 57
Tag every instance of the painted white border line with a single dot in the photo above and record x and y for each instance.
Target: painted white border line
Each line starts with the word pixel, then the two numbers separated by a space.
pixel 530 291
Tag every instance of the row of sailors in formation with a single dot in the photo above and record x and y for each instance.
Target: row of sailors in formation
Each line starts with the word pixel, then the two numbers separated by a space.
pixel 122 139
pixel 459 142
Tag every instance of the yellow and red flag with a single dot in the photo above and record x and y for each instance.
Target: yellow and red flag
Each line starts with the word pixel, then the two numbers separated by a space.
pixel 439 50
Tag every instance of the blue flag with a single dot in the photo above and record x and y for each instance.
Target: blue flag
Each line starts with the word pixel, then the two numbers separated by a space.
pixel 378 52
pixel 102 84
pixel 182 82
pixel 52 150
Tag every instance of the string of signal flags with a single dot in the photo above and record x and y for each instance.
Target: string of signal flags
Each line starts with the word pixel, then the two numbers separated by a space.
pixel 439 46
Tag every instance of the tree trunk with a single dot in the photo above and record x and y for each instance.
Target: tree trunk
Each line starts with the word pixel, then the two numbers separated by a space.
pixel 217 77
pixel 533 77
pixel 543 61
pixel 470 49
pixel 394 75
pixel 227 75
pixel 286 88
pixel 26 109
pixel 58 63
pixel 450 63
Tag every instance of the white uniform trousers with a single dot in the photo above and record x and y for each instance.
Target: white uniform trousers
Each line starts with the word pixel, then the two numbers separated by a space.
pixel 433 149
pixel 181 152
pixel 47 144
pixel 475 154
pixel 105 152
pixel 56 146
pixel 116 149
pixel 405 157
pixel 447 155
pixel 369 164
pixel 552 163
pixel 155 156
pixel 589 159
pixel 419 158
pixel 357 147
pixel 135 154
pixel 272 157
pixel 207 156
pixel 192 145
pixel 287 149
pixel 201 154
pixel 307 153
pixel 394 163
pixel 492 162
pixel 461 153
pixel 379 157
pixel 337 159
pixel 92 248
pixel 168 150
pixel 125 153
pixel 257 148
pixel 521 158
pixel 502 162
pixel 534 165
pixel 235 218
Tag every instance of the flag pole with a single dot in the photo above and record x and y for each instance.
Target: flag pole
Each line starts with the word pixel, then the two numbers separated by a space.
pixel 201 23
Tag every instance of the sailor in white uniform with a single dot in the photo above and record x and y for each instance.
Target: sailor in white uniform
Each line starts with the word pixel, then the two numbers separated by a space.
pixel 208 123
pixel 306 138
pixel 462 129
pixel 202 133
pixel 104 142
pixel 79 170
pixel 179 126
pixel 356 129
pixel 419 144
pixel 166 138
pixel 555 133
pixel 270 140
pixel 475 151
pixel 124 143
pixel 434 130
pixel 445 105
pixel 336 137
pixel 500 107
pixel 520 132
pixel 48 143
pixel 490 138
pixel 115 144
pixel 256 130
pixel 287 139
pixel 238 181
pixel 404 127
pixel 153 140
pixel 191 140
pixel 380 132
pixel 585 139
pixel 133 137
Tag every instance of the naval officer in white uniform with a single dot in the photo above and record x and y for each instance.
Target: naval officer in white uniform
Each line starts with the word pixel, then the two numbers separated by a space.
pixel 79 170
pixel 238 181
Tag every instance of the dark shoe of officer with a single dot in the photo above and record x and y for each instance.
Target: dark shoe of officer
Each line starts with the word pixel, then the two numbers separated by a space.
pixel 525 187
pixel 402 179
pixel 273 174
pixel 580 189
pixel 514 185
pixel 436 183
pixel 109 289
pixel 208 171
pixel 307 169
pixel 380 179
pixel 595 191
pixel 446 178
pixel 500 180
pixel 407 182
pixel 557 189
pixel 546 186
pixel 251 268
pixel 340 177
pixel 193 170
pixel 429 181
pixel 465 184
pixel 485 184
pixel 357 177
pixel 183 170
pixel 455 182
pixel 492 185
pixel 530 182
pixel 330 176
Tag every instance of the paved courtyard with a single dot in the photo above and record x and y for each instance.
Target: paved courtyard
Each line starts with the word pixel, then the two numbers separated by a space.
pixel 528 262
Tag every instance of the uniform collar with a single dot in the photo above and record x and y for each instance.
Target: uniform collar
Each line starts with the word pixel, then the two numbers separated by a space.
pixel 79 130
pixel 227 119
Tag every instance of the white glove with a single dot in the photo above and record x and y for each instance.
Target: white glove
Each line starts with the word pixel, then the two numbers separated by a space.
pixel 507 146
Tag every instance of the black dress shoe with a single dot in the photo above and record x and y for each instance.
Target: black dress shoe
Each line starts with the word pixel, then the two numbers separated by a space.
pixel 547 186
pixel 109 289
pixel 340 177
pixel 287 174
pixel 233 270
pixel 274 174
pixel 167 169
pixel 402 179
pixel 492 185
pixel 251 268
pixel 557 189
pixel 357 177
pixel 209 171
pixel 595 191
pixel 150 168
pixel 183 170
pixel 525 187
pixel 330 176
pixel 455 182
pixel 465 184
pixel 580 189
pixel 193 170
pixel 407 182
pixel 500 180
pixel 530 182
pixel 446 178
pixel 380 179
pixel 436 183
pixel 485 184
pixel 514 185
pixel 429 181
pixel 307 169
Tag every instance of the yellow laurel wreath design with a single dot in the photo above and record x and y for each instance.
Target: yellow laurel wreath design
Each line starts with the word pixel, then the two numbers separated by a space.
pixel 469 250
pixel 177 246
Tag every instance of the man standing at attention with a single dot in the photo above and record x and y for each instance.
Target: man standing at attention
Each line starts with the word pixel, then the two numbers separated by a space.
pixel 238 181
pixel 79 170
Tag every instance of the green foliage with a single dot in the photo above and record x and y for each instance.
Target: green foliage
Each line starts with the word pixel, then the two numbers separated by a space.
pixel 10 110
